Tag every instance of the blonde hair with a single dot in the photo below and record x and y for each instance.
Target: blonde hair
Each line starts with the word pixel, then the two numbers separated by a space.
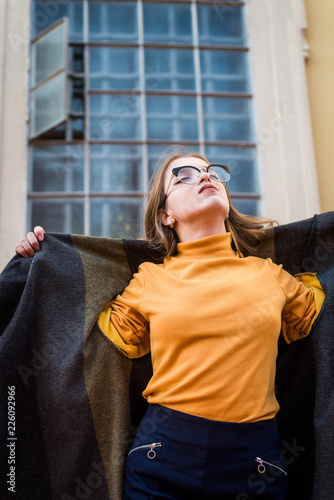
pixel 246 231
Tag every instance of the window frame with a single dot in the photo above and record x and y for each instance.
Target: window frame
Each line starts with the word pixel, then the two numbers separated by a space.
pixel 52 76
pixel 200 145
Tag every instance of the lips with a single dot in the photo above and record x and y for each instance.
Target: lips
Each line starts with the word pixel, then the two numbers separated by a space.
pixel 207 186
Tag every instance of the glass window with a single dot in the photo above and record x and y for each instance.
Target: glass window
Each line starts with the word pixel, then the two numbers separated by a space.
pixel 116 217
pixel 221 24
pixel 78 96
pixel 158 152
pixel 167 23
pixel 116 168
pixel 113 68
pixel 246 206
pixel 48 54
pixel 113 21
pixel 224 71
pixel 58 215
pixel 57 168
pixel 227 119
pixel 78 128
pixel 155 153
pixel 242 162
pixel 140 98
pixel 49 64
pixel 115 117
pixel 46 12
pixel 174 68
pixel 171 117
pixel 76 58
pixel 48 105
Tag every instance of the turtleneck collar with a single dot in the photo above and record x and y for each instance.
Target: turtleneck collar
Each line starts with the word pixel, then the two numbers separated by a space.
pixel 216 246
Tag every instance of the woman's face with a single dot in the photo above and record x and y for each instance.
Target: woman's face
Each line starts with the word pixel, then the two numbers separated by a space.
pixel 189 203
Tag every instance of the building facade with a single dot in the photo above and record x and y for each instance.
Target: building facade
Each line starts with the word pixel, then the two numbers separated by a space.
pixel 320 81
pixel 93 92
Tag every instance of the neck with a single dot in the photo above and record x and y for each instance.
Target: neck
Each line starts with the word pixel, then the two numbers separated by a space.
pixel 195 231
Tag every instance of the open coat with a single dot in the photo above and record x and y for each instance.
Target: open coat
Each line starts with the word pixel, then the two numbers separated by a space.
pixel 78 399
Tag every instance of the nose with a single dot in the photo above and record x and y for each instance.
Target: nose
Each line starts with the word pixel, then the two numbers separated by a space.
pixel 204 176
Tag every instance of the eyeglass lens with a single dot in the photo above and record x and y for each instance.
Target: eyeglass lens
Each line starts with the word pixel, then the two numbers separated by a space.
pixel 190 175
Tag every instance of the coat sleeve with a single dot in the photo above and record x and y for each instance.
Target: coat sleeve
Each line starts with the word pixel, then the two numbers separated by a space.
pixel 304 299
pixel 122 322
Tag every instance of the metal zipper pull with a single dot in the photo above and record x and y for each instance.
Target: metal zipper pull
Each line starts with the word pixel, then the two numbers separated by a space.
pixel 262 468
pixel 151 453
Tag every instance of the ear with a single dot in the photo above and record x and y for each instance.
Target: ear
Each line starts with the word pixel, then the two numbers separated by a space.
pixel 166 218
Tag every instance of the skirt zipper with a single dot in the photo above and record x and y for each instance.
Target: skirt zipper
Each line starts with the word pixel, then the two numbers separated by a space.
pixel 262 468
pixel 151 453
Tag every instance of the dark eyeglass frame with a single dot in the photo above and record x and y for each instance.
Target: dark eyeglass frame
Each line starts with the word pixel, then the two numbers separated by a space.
pixel 176 170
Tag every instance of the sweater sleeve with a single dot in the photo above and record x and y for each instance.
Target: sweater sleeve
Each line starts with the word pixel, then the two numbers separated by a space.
pixel 122 322
pixel 303 302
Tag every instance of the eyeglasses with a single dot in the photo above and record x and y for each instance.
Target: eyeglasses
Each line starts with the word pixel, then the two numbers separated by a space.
pixel 191 175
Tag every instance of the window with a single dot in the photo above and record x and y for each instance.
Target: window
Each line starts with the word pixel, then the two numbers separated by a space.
pixel 113 68
pixel 137 77
pixel 49 79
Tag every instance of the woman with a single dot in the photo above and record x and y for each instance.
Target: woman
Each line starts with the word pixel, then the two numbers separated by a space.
pixel 211 318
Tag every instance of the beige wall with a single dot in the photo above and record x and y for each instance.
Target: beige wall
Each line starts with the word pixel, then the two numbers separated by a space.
pixel 14 31
pixel 286 157
pixel 320 78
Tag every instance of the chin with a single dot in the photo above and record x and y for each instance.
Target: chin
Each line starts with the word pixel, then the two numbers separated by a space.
pixel 218 203
pixel 215 208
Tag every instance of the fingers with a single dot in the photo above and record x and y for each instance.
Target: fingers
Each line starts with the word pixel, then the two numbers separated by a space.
pixel 32 240
pixel 20 250
pixel 39 232
pixel 29 245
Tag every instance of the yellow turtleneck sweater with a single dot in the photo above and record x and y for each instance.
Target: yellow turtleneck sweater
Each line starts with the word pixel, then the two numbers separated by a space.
pixel 212 321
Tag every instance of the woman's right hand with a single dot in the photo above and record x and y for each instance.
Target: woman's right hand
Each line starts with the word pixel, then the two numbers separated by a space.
pixel 30 245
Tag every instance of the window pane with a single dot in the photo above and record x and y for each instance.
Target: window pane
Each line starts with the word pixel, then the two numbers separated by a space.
pixel 57 168
pixel 172 117
pixel 224 71
pixel 220 4
pixel 242 162
pixel 112 68
pixel 116 217
pixel 154 156
pixel 116 168
pixel 48 106
pixel 157 153
pixel 76 58
pixel 246 206
pixel 78 126
pixel 221 25
pixel 115 117
pixel 167 23
pixel 227 119
pixel 46 12
pixel 48 54
pixel 113 21
pixel 174 69
pixel 58 215
pixel 78 95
